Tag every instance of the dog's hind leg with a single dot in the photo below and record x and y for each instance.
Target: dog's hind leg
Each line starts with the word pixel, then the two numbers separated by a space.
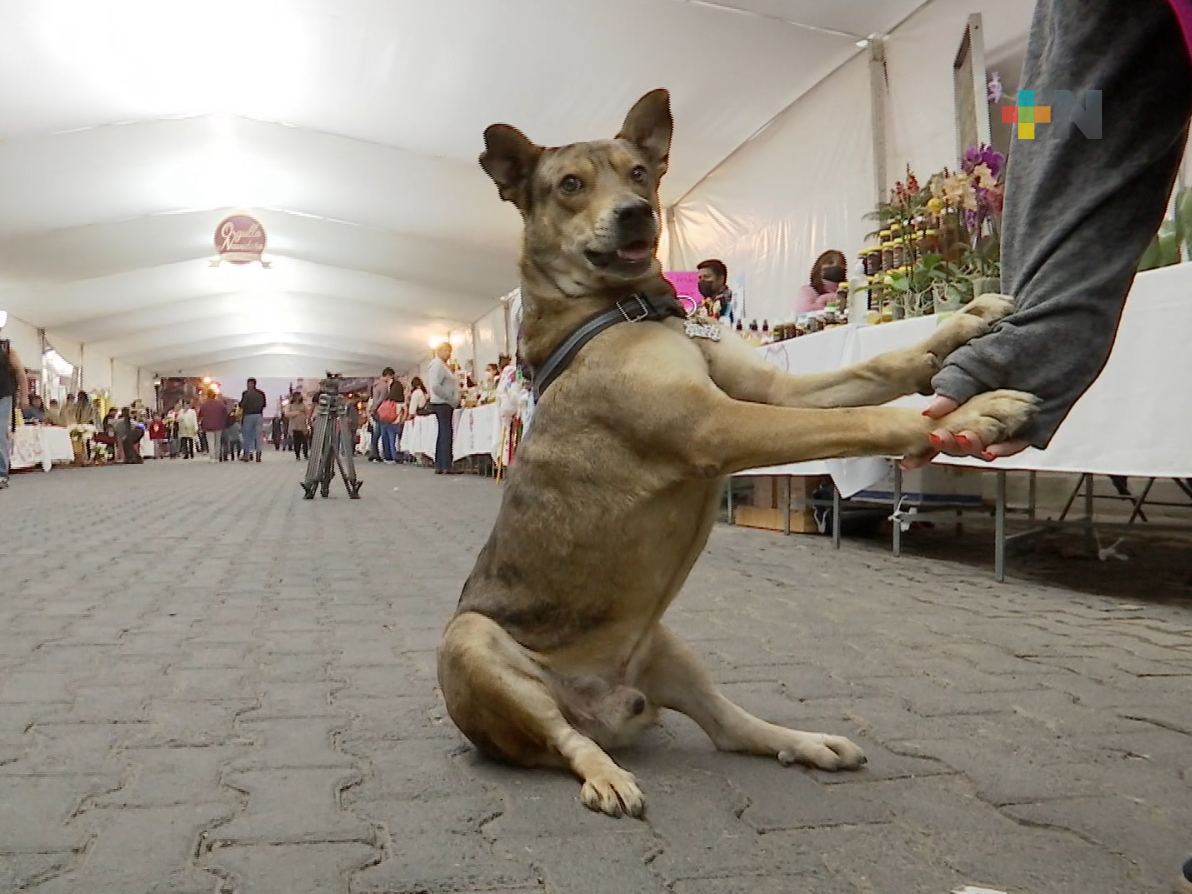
pixel 498 698
pixel 672 677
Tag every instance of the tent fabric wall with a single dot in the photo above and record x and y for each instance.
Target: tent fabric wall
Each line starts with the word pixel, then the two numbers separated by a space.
pixel 920 102
pixel 68 349
pixel 97 370
pixel 490 336
pixel 800 187
pixel 124 383
pixel 805 183
pixel 25 340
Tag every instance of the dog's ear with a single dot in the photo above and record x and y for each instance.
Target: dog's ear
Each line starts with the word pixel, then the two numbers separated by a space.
pixel 509 158
pixel 649 127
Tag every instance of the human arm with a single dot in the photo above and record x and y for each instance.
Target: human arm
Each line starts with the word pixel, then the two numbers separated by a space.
pixel 807 300
pixel 18 372
pixel 1079 212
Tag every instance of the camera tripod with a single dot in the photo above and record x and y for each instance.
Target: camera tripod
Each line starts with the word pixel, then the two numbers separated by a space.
pixel 329 445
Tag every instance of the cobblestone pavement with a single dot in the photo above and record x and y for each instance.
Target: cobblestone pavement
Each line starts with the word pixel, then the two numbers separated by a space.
pixel 209 685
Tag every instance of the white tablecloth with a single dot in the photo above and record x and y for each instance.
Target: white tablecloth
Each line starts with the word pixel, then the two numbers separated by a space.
pixel 40 445
pixel 418 436
pixel 477 433
pixel 1133 421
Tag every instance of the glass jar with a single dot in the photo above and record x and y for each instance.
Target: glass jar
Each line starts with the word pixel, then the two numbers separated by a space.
pixel 887 255
pixel 874 261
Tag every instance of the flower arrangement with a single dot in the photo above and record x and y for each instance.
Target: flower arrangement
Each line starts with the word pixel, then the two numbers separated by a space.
pixel 81 432
pixel 945 235
pixel 101 453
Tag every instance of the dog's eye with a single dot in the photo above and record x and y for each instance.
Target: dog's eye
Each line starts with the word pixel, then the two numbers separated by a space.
pixel 571 184
pixel 639 174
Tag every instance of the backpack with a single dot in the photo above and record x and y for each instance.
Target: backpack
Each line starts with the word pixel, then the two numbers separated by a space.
pixel 387 412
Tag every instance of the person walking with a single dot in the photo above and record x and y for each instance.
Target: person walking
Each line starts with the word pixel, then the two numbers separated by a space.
pixel 213 417
pixel 391 414
pixel 380 391
pixel 233 436
pixel 298 420
pixel 444 398
pixel 252 407
pixel 188 429
pixel 13 396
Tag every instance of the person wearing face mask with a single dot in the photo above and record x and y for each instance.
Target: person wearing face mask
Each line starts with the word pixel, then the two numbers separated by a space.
pixel 713 286
pixel 827 274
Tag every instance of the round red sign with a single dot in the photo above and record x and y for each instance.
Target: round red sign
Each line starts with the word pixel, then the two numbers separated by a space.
pixel 240 239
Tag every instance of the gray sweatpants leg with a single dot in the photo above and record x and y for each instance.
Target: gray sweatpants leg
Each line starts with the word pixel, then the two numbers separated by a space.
pixel 1080 212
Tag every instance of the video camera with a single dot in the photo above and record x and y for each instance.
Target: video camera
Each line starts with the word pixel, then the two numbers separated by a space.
pixel 331 383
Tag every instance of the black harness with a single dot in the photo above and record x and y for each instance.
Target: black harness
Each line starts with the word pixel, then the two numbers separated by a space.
pixel 634 309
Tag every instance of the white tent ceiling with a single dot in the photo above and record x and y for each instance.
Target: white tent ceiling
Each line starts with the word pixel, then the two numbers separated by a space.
pixel 351 128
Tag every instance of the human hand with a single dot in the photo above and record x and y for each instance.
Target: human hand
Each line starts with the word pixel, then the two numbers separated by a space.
pixel 965 443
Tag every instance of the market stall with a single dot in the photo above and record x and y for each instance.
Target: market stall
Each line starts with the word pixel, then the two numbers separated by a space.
pixel 477 433
pixel 40 445
pixel 1101 435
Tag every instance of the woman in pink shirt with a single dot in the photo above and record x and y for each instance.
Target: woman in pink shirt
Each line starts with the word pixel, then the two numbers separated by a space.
pixel 829 271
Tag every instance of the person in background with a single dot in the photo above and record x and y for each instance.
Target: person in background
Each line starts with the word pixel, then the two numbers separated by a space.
pixel 380 390
pixel 84 411
pixel 54 413
pixel 68 411
pixel 233 436
pixel 213 418
pixel 105 433
pixel 713 286
pixel 1071 245
pixel 188 429
pixel 13 395
pixel 128 435
pixel 157 434
pixel 828 272
pixel 35 410
pixel 391 431
pixel 252 407
pixel 419 397
pixel 444 398
pixel 298 421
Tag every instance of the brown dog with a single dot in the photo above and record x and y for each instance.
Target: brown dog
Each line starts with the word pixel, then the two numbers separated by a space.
pixel 557 649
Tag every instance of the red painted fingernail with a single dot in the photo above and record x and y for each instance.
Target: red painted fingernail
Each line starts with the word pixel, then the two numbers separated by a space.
pixel 988 456
pixel 926 413
pixel 936 440
pixel 962 441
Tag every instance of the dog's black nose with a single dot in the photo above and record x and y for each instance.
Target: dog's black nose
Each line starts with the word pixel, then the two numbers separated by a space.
pixel 635 212
pixel 639 705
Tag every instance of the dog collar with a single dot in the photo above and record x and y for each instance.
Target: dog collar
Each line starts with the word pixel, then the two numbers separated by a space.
pixel 633 309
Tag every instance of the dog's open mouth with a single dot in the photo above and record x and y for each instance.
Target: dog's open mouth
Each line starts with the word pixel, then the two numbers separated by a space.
pixel 630 255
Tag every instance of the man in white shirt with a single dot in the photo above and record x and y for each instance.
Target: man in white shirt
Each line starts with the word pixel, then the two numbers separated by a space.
pixel 444 398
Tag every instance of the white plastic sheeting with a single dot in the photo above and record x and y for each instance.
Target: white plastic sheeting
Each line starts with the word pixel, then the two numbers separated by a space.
pixel 351 128
pixel 490 337
pixel 25 340
pixel 920 112
pixel 801 187
pixel 804 184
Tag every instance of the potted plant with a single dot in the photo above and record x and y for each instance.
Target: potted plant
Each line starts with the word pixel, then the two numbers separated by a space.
pixel 931 286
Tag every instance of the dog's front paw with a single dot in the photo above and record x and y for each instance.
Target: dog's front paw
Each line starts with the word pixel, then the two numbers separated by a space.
pixel 820 750
pixel 613 791
pixel 973 321
pixel 994 416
